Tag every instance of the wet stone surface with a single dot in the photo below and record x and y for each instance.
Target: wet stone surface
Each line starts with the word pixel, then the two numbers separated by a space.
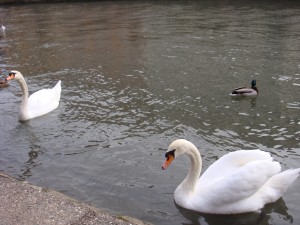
pixel 23 203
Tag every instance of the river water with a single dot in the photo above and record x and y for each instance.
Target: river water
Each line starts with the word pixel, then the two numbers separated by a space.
pixel 135 76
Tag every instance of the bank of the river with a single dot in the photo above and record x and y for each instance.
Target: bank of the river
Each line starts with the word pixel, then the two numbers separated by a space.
pixel 34 1
pixel 24 203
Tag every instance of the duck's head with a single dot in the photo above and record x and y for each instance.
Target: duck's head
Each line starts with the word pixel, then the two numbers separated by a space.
pixel 253 83
pixel 14 74
pixel 177 148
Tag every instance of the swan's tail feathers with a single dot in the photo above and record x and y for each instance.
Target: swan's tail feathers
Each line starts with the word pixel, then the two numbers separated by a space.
pixel 281 182
pixel 57 87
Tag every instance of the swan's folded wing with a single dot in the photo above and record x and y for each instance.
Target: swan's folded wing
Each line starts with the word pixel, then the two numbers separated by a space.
pixel 44 101
pixel 239 185
pixel 230 163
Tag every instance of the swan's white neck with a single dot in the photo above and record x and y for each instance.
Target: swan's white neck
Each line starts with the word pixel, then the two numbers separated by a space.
pixel 188 185
pixel 23 115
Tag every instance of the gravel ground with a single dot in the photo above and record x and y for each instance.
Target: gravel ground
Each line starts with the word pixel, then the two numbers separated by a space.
pixel 26 204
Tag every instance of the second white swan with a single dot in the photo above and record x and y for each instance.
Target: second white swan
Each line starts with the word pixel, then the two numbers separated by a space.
pixel 239 182
pixel 40 102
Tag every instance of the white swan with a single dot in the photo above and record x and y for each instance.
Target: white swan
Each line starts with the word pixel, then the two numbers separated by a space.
pixel 40 102
pixel 239 182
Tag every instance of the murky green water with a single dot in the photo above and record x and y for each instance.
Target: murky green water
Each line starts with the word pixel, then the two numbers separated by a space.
pixel 137 75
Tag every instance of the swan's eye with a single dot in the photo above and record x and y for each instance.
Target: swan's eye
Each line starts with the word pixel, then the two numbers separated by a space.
pixel 170 153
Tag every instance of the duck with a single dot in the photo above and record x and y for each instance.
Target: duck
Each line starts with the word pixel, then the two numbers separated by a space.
pixel 239 182
pixel 245 91
pixel 3 83
pixel 39 103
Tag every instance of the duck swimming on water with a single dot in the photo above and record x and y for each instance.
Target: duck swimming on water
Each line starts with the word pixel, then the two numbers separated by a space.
pixel 3 83
pixel 245 91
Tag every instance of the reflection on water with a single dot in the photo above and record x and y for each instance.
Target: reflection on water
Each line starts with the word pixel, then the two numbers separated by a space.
pixel 137 75
pixel 255 218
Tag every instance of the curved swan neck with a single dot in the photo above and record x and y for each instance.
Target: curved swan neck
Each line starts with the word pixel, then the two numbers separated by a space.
pixel 24 87
pixel 24 103
pixel 188 185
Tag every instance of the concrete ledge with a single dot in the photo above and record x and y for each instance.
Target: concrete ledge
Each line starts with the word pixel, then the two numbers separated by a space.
pixel 23 203
pixel 38 1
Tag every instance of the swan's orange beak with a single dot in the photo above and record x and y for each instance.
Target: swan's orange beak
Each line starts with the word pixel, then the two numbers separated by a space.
pixel 168 162
pixel 11 76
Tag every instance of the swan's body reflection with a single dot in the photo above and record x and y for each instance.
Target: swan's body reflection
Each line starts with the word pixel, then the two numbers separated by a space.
pixel 28 129
pixel 256 218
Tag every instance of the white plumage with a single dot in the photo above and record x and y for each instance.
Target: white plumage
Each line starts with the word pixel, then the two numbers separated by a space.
pixel 40 102
pixel 239 182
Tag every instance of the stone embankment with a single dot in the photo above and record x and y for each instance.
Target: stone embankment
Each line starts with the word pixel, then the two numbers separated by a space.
pixel 35 1
pixel 27 204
